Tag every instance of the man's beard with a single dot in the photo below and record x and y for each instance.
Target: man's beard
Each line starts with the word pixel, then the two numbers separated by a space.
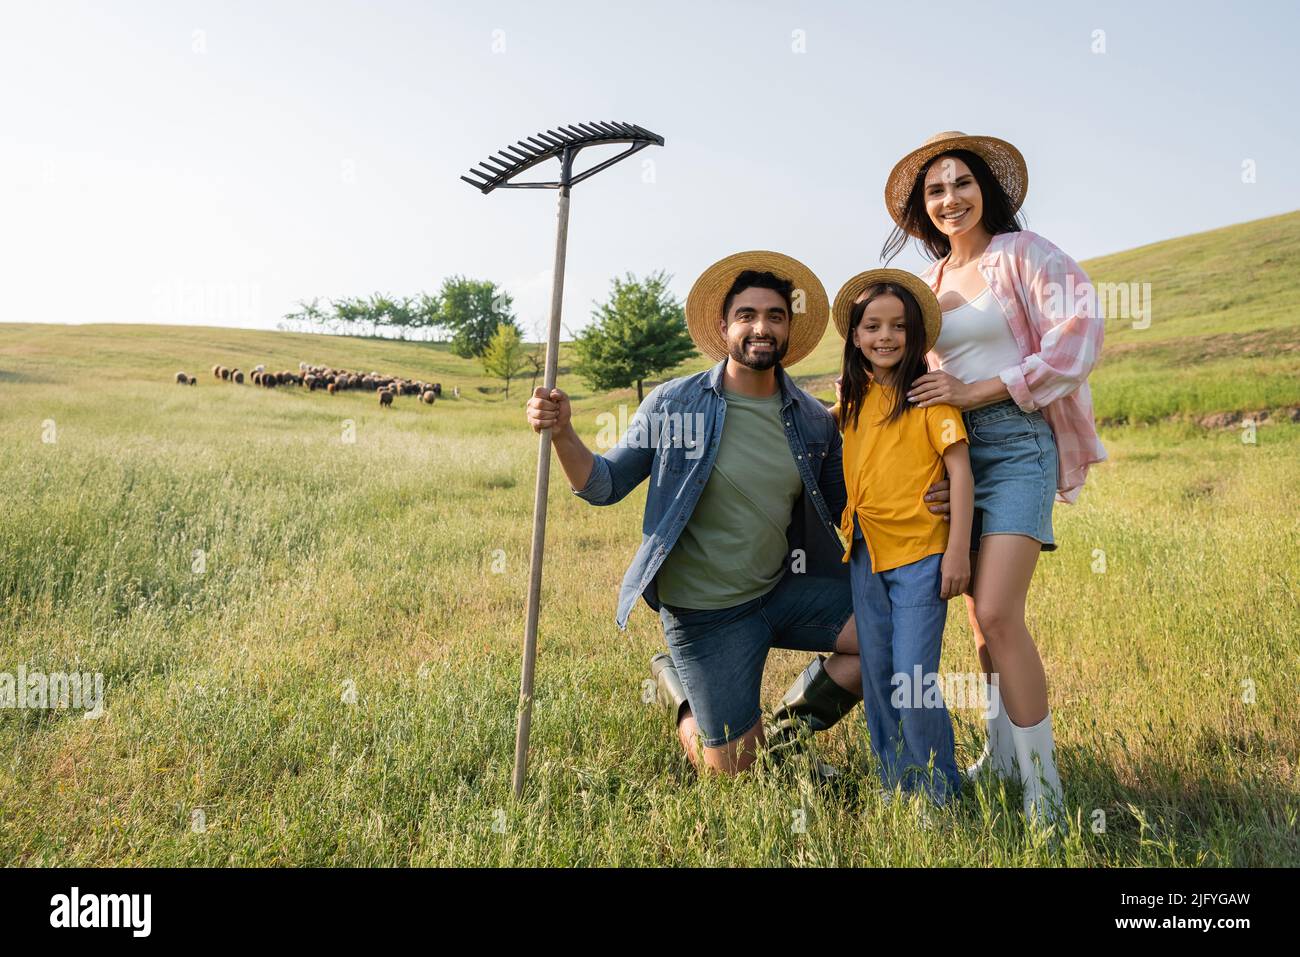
pixel 763 362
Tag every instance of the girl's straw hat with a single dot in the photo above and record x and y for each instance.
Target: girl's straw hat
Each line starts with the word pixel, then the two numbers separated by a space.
pixel 922 293
pixel 810 306
pixel 1006 162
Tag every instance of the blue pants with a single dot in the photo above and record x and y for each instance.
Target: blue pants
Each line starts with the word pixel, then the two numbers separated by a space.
pixel 900 619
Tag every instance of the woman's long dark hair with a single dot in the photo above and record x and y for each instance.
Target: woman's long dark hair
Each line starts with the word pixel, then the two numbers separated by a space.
pixel 999 214
pixel 857 372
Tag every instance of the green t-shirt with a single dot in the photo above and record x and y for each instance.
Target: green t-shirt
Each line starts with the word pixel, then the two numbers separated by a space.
pixel 733 547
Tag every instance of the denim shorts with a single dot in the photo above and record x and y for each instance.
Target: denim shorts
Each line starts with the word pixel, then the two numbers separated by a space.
pixel 1013 458
pixel 720 653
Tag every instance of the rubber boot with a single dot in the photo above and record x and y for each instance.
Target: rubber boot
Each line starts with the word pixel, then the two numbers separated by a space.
pixel 671 693
pixel 1036 754
pixel 814 702
pixel 999 754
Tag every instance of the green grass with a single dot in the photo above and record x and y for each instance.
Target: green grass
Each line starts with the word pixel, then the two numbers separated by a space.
pixel 397 565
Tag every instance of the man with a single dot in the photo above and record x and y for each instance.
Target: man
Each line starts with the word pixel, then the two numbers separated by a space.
pixel 740 551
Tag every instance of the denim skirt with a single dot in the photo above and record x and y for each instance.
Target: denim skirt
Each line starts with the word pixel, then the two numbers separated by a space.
pixel 1014 461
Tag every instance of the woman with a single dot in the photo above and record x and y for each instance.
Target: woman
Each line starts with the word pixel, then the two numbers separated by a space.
pixel 1021 332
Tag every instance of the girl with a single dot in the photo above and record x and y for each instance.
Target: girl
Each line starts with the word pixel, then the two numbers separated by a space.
pixel 904 562
pixel 1021 332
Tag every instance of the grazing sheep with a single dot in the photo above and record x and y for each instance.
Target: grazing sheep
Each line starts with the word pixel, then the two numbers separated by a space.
pixel 428 397
pixel 182 379
pixel 385 398
pixel 309 381
pixel 437 389
pixel 194 380
pixel 225 374
pixel 216 371
pixel 455 392
pixel 238 377
pixel 269 380
pixel 331 388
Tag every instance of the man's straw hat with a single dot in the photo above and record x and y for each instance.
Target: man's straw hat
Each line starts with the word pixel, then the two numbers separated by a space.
pixel 917 286
pixel 1006 162
pixel 811 309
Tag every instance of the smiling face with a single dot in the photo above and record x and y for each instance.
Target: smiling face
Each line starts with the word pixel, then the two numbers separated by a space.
pixel 952 197
pixel 757 328
pixel 881 334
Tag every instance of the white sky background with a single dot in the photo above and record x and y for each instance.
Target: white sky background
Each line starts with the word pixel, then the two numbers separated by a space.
pixel 152 173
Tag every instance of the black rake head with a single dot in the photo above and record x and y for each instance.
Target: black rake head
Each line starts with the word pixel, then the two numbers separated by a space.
pixel 499 169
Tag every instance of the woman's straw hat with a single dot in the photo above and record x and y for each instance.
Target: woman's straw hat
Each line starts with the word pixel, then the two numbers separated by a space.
pixel 1006 162
pixel 921 292
pixel 810 306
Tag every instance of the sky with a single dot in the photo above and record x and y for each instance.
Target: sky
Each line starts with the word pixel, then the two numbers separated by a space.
pixel 216 163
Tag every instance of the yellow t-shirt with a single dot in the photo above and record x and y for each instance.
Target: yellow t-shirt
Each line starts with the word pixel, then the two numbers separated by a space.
pixel 887 469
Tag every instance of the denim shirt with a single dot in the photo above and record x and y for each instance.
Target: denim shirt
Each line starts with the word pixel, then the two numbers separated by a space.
pixel 673 440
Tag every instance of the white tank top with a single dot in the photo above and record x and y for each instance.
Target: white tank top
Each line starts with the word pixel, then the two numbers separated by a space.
pixel 975 341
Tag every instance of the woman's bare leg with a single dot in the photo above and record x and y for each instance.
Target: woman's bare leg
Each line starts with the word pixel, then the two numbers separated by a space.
pixel 1005 570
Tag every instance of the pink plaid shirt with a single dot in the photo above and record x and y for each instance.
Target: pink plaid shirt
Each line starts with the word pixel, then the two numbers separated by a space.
pixel 1054 315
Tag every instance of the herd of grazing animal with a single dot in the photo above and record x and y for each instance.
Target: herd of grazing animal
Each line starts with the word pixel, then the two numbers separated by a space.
pixel 330 380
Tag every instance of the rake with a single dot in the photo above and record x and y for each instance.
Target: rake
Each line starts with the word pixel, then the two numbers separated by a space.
pixel 498 172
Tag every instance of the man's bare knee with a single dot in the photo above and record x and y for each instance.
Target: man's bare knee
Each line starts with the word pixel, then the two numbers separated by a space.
pixel 736 755
pixel 688 733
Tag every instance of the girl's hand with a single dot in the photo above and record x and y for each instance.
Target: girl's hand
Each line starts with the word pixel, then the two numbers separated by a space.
pixel 938 386
pixel 954 571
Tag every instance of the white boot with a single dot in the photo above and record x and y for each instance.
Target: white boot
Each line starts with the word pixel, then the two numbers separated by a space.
pixel 999 754
pixel 1036 754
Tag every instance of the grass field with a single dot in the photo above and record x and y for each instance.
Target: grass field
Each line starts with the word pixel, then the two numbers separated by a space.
pixel 311 646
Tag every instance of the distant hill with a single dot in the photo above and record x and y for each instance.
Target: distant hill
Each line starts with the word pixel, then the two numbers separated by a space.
pixel 155 352
pixel 1224 338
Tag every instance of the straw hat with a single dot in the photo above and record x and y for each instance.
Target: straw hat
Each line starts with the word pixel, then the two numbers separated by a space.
pixel 1006 162
pixel 704 304
pixel 924 295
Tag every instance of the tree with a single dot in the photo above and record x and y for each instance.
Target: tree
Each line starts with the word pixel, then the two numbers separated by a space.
pixel 536 357
pixel 472 310
pixel 504 356
pixel 385 311
pixel 426 313
pixel 639 331
pixel 350 312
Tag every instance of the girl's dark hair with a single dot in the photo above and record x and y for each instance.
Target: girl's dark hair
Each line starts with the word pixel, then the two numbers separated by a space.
pixel 1000 216
pixel 857 371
